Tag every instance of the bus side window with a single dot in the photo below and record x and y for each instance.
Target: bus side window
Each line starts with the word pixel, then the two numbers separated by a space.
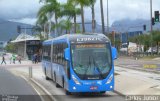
pixel 53 54
pixel 63 60
pixel 58 54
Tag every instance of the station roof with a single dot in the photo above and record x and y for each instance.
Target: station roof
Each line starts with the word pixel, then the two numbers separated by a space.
pixel 24 37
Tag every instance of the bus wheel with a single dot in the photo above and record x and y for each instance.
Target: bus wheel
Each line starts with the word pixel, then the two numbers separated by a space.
pixel 67 92
pixel 47 78
pixel 57 85
pixel 54 77
pixel 63 82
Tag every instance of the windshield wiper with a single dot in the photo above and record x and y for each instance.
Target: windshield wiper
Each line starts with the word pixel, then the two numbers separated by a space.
pixel 97 68
pixel 89 65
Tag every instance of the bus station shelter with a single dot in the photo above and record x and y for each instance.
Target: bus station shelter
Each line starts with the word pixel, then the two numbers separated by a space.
pixel 28 45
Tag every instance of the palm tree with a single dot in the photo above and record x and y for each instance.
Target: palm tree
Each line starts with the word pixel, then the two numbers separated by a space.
pixel 92 2
pixel 102 16
pixel 51 7
pixel 71 11
pixel 42 18
pixel 82 4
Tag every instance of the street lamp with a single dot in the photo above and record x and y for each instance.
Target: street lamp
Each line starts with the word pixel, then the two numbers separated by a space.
pixel 25 45
pixel 107 17
pixel 151 25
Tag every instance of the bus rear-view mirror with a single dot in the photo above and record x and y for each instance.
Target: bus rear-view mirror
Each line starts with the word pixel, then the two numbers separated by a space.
pixel 67 54
pixel 114 53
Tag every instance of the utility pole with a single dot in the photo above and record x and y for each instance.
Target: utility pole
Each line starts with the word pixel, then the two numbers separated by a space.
pixel 107 18
pixel 151 27
pixel 50 25
pixel 25 46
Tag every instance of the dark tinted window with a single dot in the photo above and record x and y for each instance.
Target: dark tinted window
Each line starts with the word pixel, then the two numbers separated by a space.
pixel 58 53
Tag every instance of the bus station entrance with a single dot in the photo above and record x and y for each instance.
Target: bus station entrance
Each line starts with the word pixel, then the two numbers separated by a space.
pixel 27 46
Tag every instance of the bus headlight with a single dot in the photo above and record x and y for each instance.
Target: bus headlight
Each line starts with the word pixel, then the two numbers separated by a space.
pixel 110 79
pixel 75 80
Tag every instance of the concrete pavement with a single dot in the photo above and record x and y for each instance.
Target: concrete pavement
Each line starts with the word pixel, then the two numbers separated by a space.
pixel 132 82
pixel 149 65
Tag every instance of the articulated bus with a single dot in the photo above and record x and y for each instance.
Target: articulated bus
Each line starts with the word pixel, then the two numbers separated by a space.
pixel 80 62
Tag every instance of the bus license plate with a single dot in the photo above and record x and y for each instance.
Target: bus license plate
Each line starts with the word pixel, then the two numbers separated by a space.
pixel 93 88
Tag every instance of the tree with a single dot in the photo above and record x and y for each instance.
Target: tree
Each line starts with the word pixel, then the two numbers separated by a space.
pixel 156 39
pixel 102 16
pixel 51 7
pixel 71 11
pixel 92 3
pixel 82 3
pixel 64 25
pixel 11 47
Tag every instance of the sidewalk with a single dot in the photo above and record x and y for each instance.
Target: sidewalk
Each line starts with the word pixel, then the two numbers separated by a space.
pixel 24 63
pixel 151 65
pixel 131 82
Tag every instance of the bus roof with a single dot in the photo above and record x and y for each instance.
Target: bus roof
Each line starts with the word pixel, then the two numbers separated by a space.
pixel 81 38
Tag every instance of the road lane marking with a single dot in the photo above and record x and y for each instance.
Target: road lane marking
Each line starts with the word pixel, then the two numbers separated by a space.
pixel 42 99
pixel 44 89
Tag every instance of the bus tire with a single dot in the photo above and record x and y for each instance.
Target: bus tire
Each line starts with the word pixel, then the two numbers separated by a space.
pixel 67 92
pixel 57 85
pixel 62 82
pixel 54 77
pixel 47 78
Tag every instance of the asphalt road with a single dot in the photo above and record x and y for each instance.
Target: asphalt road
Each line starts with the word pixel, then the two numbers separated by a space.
pixel 15 88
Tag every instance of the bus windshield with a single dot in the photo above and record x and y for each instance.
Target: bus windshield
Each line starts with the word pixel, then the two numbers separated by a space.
pixel 91 61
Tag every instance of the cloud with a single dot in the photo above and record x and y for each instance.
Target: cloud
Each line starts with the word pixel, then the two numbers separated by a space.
pixel 31 21
pixel 23 10
pixel 124 9
pixel 15 9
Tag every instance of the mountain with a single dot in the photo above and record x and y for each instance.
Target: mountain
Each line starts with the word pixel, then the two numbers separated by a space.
pixel 127 25
pixel 8 29
pixel 88 27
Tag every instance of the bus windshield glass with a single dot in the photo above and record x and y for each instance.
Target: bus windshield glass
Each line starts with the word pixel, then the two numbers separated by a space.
pixel 91 61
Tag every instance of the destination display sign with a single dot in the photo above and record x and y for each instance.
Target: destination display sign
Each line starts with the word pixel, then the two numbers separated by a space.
pixel 89 40
pixel 90 46
pixel 33 42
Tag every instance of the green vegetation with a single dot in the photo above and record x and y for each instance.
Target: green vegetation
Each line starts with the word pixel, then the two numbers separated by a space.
pixel 147 39
pixel 63 14
pixel 11 47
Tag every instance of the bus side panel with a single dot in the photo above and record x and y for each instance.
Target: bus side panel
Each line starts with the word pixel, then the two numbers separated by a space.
pixel 46 65
pixel 54 70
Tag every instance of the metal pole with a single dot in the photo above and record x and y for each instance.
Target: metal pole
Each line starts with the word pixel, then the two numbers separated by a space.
pixel 50 24
pixel 151 26
pixel 107 18
pixel 30 72
pixel 25 47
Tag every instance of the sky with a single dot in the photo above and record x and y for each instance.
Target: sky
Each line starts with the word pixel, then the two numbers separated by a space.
pixel 26 10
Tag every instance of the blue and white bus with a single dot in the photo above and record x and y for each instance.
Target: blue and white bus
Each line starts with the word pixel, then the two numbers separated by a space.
pixel 80 62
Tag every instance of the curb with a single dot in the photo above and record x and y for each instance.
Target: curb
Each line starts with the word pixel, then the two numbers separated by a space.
pixel 139 69
pixel 42 88
pixel 119 93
